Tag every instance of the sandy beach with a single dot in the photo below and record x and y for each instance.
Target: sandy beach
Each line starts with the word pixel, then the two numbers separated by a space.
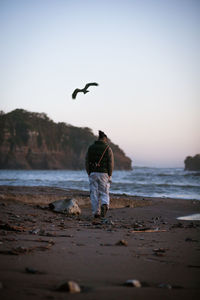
pixel 140 239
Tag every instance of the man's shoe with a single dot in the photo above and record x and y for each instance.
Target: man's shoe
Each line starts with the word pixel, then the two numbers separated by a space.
pixel 104 209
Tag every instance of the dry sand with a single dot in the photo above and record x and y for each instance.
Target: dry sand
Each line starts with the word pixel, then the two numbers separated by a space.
pixel 156 248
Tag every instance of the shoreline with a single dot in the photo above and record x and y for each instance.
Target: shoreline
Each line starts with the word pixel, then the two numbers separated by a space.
pixel 47 194
pixel 155 182
pixel 141 239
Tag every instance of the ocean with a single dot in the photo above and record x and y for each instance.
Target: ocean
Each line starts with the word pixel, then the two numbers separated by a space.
pixel 141 181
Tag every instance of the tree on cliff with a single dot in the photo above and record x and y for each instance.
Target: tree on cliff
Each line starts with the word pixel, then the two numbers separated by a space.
pixel 30 140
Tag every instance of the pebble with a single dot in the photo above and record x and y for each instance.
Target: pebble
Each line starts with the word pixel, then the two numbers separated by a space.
pixel 107 222
pixel 122 243
pixel 134 283
pixel 105 244
pixel 69 286
pixel 165 285
pixel 34 231
pixel 31 270
pixel 159 250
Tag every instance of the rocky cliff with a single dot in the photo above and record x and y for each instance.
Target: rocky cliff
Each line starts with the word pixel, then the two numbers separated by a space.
pixel 192 163
pixel 32 141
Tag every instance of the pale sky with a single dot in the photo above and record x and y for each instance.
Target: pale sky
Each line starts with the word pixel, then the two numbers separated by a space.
pixel 143 53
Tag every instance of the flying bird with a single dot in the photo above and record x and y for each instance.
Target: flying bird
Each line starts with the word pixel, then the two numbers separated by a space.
pixel 84 90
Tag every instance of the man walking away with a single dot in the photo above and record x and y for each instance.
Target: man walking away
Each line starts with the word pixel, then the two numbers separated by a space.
pixel 99 166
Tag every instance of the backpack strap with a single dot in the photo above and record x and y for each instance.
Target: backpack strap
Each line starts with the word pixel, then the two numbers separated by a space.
pixel 98 164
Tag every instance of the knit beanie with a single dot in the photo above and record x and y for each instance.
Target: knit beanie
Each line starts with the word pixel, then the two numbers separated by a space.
pixel 102 134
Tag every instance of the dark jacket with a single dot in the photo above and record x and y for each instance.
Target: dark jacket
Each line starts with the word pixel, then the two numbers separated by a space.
pixel 93 156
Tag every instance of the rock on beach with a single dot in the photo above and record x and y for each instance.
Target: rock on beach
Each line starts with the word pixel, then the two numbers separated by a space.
pixel 69 286
pixel 67 206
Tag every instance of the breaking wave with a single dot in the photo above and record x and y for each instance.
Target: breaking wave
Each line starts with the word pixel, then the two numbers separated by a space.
pixel 151 182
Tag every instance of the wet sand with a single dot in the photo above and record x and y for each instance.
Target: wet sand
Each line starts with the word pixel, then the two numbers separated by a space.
pixel 140 239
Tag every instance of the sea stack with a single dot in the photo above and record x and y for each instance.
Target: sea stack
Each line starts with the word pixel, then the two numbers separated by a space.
pixel 192 163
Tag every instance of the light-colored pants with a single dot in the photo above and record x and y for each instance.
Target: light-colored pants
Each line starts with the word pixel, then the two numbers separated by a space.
pixel 99 190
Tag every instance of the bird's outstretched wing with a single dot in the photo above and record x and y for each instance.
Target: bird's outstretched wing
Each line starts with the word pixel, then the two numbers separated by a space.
pixel 75 92
pixel 89 84
pixel 84 90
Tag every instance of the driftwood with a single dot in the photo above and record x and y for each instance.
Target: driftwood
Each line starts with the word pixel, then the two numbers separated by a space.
pixel 24 250
pixel 149 230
